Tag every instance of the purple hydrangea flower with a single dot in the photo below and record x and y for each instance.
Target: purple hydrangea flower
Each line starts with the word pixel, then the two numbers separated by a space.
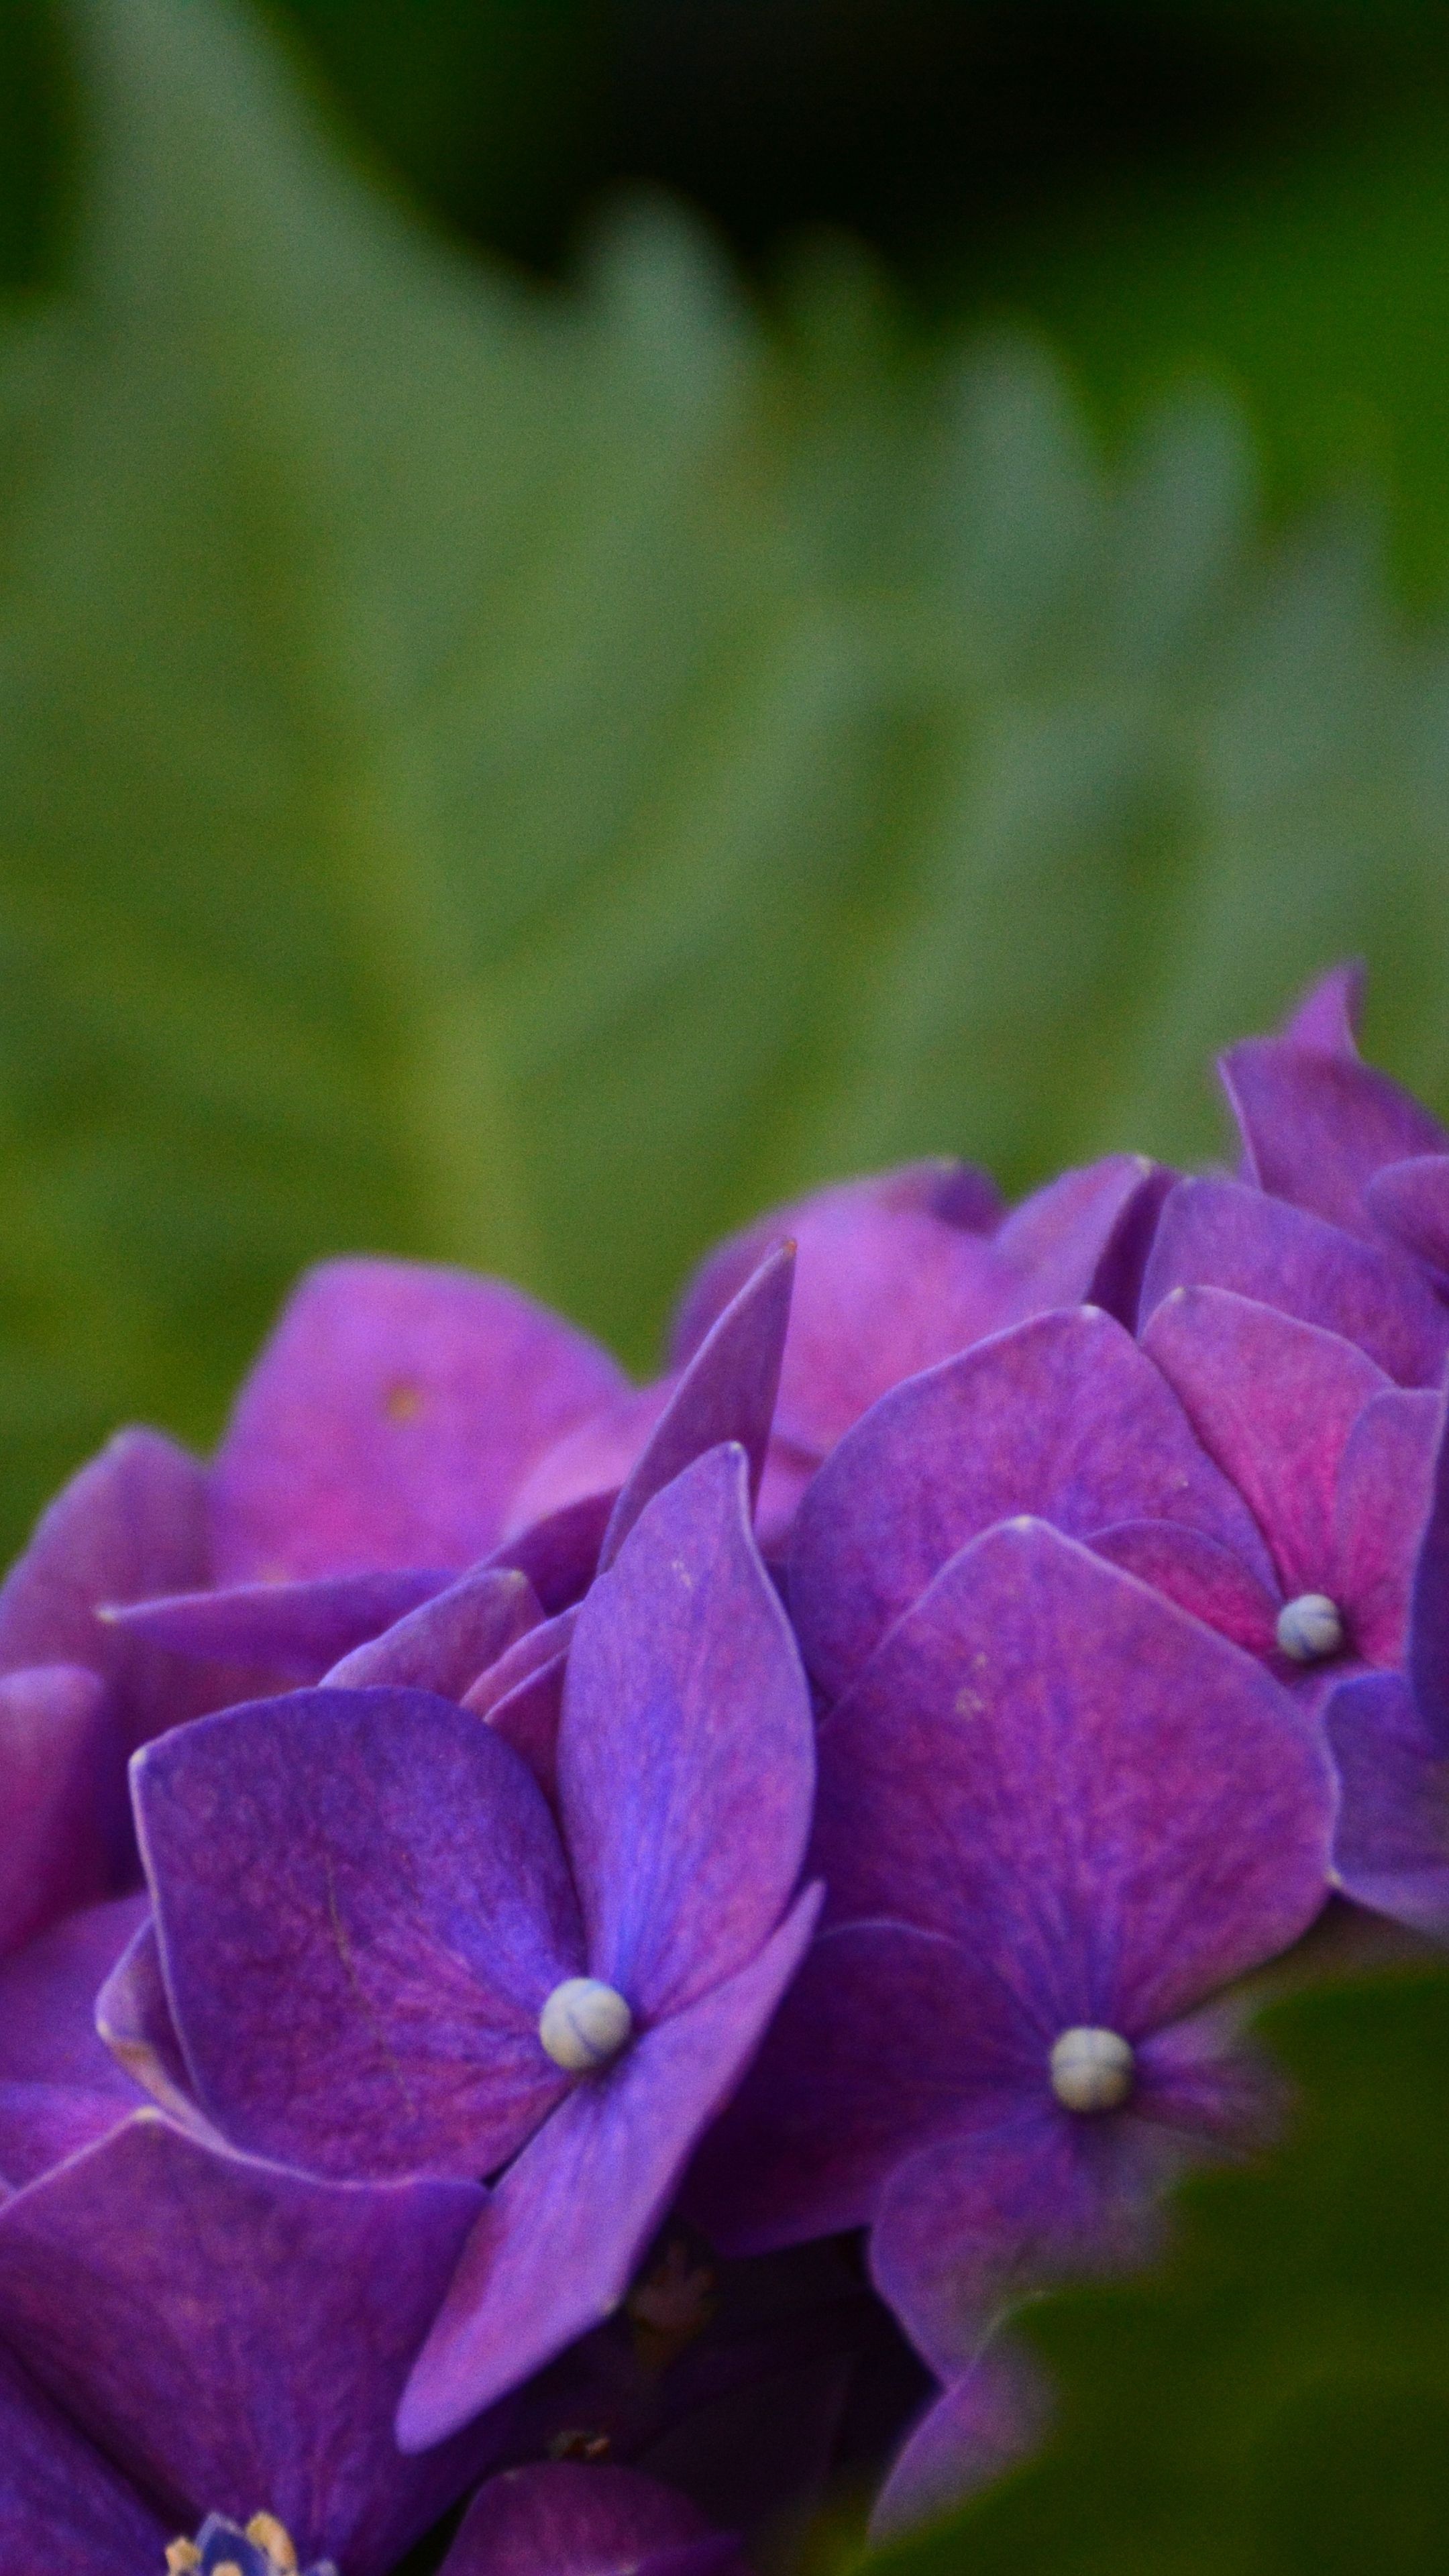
pixel 381 1957
pixel 1056 1816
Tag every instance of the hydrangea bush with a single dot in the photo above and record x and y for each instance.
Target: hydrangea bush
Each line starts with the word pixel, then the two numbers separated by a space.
pixel 570 1952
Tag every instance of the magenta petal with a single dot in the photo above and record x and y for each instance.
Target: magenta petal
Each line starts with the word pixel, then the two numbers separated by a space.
pixel 978 2218
pixel 133 2018
pixel 389 1420
pixel 60 1761
pixel 1062 1417
pixel 237 2332
pixel 974 2431
pixel 1197 1572
pixel 1410 1202
pixel 133 1522
pixel 1101 1800
pixel 1220 1234
pixel 1326 1021
pixel 362 1906
pixel 296 1629
pixel 446 1641
pixel 885 2035
pixel 64 2511
pixel 529 1717
pixel 686 1752
pixel 553 2251
pixel 727 1393
pixel 1316 1128
pixel 1273 1400
pixel 1391 1851
pixel 561 2520
pixel 1384 1486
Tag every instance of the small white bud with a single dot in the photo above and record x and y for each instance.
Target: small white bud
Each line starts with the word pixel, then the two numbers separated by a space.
pixel 584 2023
pixel 1092 2070
pixel 1310 1628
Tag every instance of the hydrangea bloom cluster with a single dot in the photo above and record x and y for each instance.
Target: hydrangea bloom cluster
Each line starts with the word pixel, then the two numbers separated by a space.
pixel 568 1952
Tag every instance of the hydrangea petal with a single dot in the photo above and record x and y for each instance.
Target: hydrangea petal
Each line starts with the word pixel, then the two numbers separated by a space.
pixel 63 2508
pixel 1379 1517
pixel 1391 1849
pixel 1316 1127
pixel 529 1717
pixel 526 1656
pixel 60 1762
pixel 446 1641
pixel 1220 1234
pixel 1083 1239
pixel 47 1996
pixel 133 2018
pixel 361 1905
pixel 886 2034
pixel 1325 1021
pixel 559 1552
pixel 686 1748
pixel 296 1630
pixel 726 1393
pixel 234 2330
pixel 1429 1599
pixel 1062 1416
pixel 1410 1202
pixel 560 2519
pixel 552 2254
pixel 592 1462
pixel 1273 1401
pixel 975 2430
pixel 1100 1799
pixel 1197 1572
pixel 389 1420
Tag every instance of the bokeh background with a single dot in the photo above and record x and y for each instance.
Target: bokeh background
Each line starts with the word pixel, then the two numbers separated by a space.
pixel 611 607
pixel 608 607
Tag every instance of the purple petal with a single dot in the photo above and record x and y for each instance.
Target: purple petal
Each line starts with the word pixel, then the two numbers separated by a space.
pixel 686 1751
pixel 133 2018
pixel 1062 1417
pixel 47 2001
pixel 970 2434
pixel 132 1522
pixel 1326 1020
pixel 60 1759
pixel 1197 1572
pixel 1429 1599
pixel 1391 1851
pixel 1101 1800
pixel 979 2218
pixel 563 2520
pixel 885 2035
pixel 63 2509
pixel 1410 1202
pixel 1220 1234
pixel 553 2252
pixel 727 1393
pixel 519 1662
pixel 592 1461
pixel 559 1553
pixel 390 1419
pixel 529 1717
pixel 362 1906
pixel 1384 1488
pixel 293 1629
pixel 1316 1128
pixel 238 2333
pixel 1084 1239
pixel 1273 1401
pixel 443 1644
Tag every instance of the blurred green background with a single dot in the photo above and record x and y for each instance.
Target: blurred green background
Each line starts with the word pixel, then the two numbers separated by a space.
pixel 610 607
pixel 607 609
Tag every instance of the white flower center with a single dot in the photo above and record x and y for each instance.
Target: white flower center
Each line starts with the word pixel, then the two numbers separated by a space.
pixel 1310 1628
pixel 584 2023
pixel 1092 2070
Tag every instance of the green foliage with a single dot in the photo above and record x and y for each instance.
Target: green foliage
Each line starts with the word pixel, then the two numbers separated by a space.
pixel 525 780
pixel 1274 2401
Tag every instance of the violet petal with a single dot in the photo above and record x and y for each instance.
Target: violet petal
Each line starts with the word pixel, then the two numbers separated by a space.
pixel 445 1642
pixel 1410 1202
pixel 362 1906
pixel 1391 1850
pixel 1379 1516
pixel 529 1717
pixel 1325 1021
pixel 64 2508
pixel 294 1629
pixel 686 1751
pixel 1316 1128
pixel 562 2519
pixel 974 2431
pixel 1197 1572
pixel 133 2018
pixel 60 1758
pixel 389 1420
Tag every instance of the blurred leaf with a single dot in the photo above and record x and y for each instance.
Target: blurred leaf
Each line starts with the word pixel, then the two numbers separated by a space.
pixel 1274 2401
pixel 523 781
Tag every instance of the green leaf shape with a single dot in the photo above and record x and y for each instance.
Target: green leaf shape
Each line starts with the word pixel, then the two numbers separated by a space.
pixel 1274 2399
pixel 527 780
